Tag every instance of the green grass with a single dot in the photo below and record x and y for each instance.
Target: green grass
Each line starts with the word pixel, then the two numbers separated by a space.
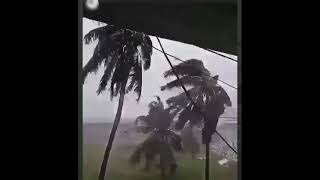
pixel 119 168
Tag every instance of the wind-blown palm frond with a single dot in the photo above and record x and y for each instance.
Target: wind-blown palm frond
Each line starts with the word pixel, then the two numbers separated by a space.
pixel 107 74
pixel 160 118
pixel 104 48
pixel 181 99
pixel 186 80
pixel 99 33
pixel 157 118
pixel 96 60
pixel 146 51
pixel 193 74
pixel 191 67
pixel 116 81
pixel 164 121
pixel 189 114
pixel 136 80
pixel 119 50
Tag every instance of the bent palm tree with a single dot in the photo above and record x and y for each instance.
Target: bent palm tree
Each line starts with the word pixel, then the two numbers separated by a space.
pixel 123 53
pixel 209 99
pixel 161 140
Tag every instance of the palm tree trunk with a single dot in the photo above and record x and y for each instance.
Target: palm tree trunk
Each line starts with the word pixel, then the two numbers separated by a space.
pixel 162 160
pixel 206 171
pixel 112 134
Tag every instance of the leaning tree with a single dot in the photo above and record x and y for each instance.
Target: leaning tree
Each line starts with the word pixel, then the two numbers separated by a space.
pixel 161 140
pixel 205 101
pixel 124 53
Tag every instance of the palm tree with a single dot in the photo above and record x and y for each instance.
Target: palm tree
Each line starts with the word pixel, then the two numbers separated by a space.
pixel 209 99
pixel 161 140
pixel 123 53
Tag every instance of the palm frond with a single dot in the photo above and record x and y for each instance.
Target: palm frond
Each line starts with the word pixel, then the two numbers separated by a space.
pixel 185 80
pixel 99 55
pixel 99 33
pixel 107 73
pixel 131 83
pixel 190 113
pixel 136 80
pixel 146 51
pixel 94 34
pixel 120 77
pixel 191 67
pixel 181 99
pixel 222 96
pixel 159 117
pixel 115 81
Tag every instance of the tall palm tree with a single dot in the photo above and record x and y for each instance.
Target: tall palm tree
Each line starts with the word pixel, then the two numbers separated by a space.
pixel 209 99
pixel 161 140
pixel 123 53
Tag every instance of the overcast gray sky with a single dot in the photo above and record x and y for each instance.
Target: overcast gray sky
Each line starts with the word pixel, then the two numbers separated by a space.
pixel 101 109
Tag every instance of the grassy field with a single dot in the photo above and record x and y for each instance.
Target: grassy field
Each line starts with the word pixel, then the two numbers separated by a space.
pixel 119 168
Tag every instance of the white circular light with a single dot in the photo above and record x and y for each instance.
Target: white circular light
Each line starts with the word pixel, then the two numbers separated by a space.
pixel 92 4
